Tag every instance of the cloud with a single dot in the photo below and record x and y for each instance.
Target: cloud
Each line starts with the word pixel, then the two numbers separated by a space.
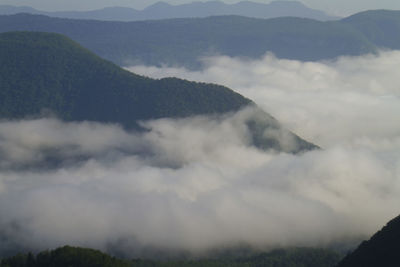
pixel 30 141
pixel 346 101
pixel 196 184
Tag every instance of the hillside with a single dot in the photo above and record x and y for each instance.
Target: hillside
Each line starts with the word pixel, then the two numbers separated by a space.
pixel 73 256
pixel 47 71
pixel 162 10
pixel 381 250
pixel 64 257
pixel 381 27
pixel 181 42
pixel 43 72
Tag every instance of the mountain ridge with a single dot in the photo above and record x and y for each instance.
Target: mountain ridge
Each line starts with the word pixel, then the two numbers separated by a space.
pixel 47 71
pixel 379 26
pixel 76 256
pixel 183 42
pixel 380 250
pixel 163 10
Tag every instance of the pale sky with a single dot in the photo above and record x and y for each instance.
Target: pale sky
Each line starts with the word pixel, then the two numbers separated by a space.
pixel 335 7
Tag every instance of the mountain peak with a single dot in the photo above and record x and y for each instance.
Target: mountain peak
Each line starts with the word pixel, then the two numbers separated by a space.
pixel 49 72
pixel 158 5
pixel 78 85
pixel 286 3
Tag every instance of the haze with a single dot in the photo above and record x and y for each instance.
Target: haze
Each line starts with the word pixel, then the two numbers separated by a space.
pixel 337 7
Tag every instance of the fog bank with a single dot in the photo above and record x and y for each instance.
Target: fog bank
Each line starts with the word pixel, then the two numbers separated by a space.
pixel 197 184
pixel 194 185
pixel 345 101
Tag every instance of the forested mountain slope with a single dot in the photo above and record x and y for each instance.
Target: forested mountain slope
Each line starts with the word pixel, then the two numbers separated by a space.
pixel 381 27
pixel 77 257
pixel 381 250
pixel 49 73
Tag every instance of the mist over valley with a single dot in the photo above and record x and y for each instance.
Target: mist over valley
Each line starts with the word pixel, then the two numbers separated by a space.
pixel 243 156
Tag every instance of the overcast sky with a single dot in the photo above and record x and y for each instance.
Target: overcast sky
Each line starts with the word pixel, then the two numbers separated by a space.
pixel 336 7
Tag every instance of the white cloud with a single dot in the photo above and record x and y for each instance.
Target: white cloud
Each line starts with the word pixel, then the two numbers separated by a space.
pixel 343 101
pixel 201 187
pixel 196 184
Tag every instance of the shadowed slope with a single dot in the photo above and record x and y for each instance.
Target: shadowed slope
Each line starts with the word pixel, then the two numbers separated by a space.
pixel 381 250
pixel 43 72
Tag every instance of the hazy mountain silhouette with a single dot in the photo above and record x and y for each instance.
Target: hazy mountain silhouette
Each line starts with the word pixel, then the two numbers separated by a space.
pixel 381 27
pixel 181 42
pixel 162 10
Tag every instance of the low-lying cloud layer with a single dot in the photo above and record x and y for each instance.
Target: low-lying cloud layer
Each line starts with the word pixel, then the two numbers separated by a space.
pixel 349 100
pixel 195 184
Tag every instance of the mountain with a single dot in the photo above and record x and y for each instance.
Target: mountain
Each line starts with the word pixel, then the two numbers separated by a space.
pixel 381 27
pixel 381 250
pixel 162 10
pixel 181 42
pixel 65 257
pixel 49 71
pixel 46 72
pixel 199 9
pixel 10 10
pixel 74 256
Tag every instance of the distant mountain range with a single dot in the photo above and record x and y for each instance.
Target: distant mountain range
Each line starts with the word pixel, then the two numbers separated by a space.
pixel 162 10
pixel 381 250
pixel 51 73
pixel 181 42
